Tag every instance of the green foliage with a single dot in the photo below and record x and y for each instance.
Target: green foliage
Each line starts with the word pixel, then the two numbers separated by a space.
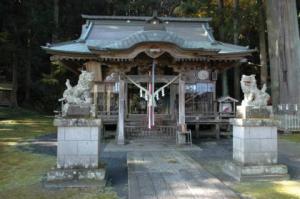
pixel 188 8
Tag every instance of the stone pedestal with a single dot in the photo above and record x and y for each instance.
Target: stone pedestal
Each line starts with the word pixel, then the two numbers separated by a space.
pixel 255 148
pixel 180 138
pixel 78 152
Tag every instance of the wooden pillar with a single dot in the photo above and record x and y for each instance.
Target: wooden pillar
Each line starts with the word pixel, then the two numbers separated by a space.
pixel 181 101
pixel 96 99
pixel 108 103
pixel 96 68
pixel 121 125
pixel 172 100
pixel 197 130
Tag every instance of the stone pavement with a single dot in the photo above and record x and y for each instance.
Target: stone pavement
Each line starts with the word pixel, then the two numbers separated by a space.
pixel 210 155
pixel 171 174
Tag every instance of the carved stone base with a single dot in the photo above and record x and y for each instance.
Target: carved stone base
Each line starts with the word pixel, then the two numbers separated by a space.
pixel 256 172
pixel 75 178
pixel 78 111
pixel 255 112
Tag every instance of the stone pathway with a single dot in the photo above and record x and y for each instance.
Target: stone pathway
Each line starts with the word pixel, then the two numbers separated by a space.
pixel 171 175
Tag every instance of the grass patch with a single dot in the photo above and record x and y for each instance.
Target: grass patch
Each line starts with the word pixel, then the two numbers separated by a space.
pixel 266 190
pixel 20 124
pixel 21 172
pixel 291 137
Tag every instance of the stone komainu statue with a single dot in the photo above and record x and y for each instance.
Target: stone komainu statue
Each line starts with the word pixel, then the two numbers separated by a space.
pixel 252 95
pixel 78 95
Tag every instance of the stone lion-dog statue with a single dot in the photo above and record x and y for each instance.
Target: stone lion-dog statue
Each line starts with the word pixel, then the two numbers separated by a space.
pixel 79 94
pixel 252 95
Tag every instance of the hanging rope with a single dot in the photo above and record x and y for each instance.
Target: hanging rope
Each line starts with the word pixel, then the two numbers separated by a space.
pixel 150 96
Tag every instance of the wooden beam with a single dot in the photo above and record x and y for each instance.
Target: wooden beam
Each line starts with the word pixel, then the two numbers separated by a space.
pixel 71 66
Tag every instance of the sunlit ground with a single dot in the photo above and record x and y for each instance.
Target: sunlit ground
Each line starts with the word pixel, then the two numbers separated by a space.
pixel 288 189
pixel 270 190
pixel 21 172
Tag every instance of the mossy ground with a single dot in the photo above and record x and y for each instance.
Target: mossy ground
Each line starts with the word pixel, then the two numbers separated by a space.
pixel 295 137
pixel 269 190
pixel 21 172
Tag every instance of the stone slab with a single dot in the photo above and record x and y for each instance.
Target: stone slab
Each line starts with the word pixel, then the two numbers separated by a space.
pixel 247 112
pixel 256 172
pixel 170 175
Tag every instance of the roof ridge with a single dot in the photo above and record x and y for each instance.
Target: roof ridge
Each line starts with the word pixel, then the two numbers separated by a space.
pixel 145 18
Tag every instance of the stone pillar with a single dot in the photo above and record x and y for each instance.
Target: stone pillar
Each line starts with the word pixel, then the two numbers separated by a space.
pixel 121 125
pixel 181 101
pixel 255 145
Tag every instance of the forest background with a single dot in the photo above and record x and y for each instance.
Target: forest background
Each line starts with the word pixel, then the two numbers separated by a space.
pixel 26 25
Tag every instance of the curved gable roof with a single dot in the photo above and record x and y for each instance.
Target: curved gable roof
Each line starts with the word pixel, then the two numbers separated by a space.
pixel 103 33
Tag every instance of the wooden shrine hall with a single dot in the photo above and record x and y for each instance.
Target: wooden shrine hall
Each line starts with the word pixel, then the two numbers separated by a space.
pixel 151 73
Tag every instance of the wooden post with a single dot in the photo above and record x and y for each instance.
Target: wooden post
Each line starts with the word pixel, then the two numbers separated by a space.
pixel 96 99
pixel 181 101
pixel 197 130
pixel 108 103
pixel 172 100
pixel 121 129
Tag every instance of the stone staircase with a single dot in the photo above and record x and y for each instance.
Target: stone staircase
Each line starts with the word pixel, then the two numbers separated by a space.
pixel 136 128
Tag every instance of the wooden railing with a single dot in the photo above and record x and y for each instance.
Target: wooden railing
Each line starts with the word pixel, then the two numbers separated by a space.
pixel 288 116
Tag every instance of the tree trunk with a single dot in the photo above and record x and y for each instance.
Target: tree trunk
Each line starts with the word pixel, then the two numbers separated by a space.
pixel 222 37
pixel 237 75
pixel 284 51
pixel 262 43
pixel 14 101
pixel 56 20
pixel 28 69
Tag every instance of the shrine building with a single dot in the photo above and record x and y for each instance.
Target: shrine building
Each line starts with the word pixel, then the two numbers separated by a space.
pixel 152 73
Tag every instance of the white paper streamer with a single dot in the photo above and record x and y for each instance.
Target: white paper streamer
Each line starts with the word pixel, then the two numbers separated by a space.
pixel 157 96
pixel 141 93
